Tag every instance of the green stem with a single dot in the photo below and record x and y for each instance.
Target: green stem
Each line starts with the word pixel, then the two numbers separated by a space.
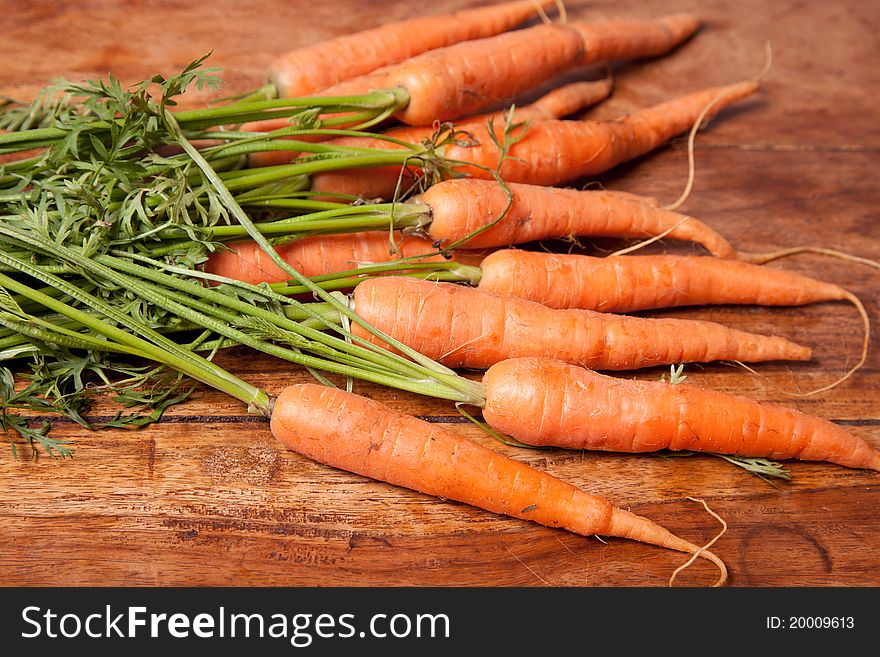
pixel 217 299
pixel 380 101
pixel 339 219
pixel 256 177
pixel 30 327
pixel 352 281
pixel 472 392
pixel 390 378
pixel 158 348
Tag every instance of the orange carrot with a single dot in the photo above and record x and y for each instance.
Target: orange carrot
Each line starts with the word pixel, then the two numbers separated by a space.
pixel 452 82
pixel 461 206
pixel 463 327
pixel 363 436
pixel 554 105
pixel 554 152
pixel 316 255
pixel 550 152
pixel 632 283
pixel 310 68
pixel 580 409
pixel 360 85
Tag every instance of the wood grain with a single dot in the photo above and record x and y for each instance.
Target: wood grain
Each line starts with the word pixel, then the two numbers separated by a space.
pixel 207 497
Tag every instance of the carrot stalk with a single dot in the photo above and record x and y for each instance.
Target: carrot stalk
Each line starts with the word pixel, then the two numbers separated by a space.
pixel 463 327
pixel 554 105
pixel 581 409
pixel 363 436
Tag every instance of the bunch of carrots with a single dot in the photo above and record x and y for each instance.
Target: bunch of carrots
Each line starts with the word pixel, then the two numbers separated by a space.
pixel 418 217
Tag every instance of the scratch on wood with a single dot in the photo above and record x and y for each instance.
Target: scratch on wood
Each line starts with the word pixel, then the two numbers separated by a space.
pixel 151 456
pixel 543 581
pixel 358 539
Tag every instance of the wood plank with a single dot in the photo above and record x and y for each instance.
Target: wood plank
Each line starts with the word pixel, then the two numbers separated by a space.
pixel 163 506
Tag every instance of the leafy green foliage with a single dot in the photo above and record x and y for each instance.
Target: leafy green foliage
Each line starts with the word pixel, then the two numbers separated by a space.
pixel 512 133
pixel 119 185
pixel 676 375
pixel 31 399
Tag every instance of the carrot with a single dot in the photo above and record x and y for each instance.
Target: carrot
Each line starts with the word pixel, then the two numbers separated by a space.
pixel 554 152
pixel 362 84
pixel 452 82
pixel 555 104
pixel 316 255
pixel 459 207
pixel 548 152
pixel 630 283
pixel 310 68
pixel 463 327
pixel 580 409
pixel 363 436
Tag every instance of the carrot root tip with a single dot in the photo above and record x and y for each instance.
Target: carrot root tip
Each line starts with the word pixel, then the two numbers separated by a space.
pixel 704 551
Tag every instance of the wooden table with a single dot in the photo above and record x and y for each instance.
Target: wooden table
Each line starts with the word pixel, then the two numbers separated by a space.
pixel 207 497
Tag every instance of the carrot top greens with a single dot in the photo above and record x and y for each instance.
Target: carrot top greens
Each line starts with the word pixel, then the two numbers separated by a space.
pixel 103 231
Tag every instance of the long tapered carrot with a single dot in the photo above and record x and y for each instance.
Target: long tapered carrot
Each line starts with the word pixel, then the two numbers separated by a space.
pixel 310 68
pixel 549 152
pixel 554 152
pixel 316 255
pixel 363 436
pixel 452 82
pixel 463 327
pixel 580 409
pixel 459 207
pixel 632 283
pixel 556 104
pixel 641 282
